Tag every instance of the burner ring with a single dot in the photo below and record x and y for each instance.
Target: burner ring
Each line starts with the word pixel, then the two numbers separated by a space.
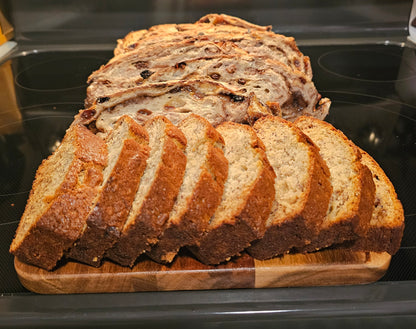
pixel 42 77
pixel 364 64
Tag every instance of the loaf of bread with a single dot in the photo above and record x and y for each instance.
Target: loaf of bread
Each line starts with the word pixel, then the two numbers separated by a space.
pixel 247 199
pixel 220 48
pixel 302 188
pixel 351 203
pixel 127 155
pixel 387 222
pixel 156 194
pixel 65 185
pixel 201 190
pixel 207 136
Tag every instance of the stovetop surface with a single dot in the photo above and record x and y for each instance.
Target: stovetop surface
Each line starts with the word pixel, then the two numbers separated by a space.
pixel 373 93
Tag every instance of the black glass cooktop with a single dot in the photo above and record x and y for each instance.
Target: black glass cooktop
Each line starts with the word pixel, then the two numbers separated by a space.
pixel 373 93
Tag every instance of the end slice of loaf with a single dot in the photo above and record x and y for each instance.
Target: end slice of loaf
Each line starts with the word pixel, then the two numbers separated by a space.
pixel 387 222
pixel 201 190
pixel 302 188
pixel 127 155
pixel 247 199
pixel 64 188
pixel 157 192
pixel 351 203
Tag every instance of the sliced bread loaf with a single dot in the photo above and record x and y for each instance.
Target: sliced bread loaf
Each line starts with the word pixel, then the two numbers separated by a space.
pixel 175 100
pixel 273 82
pixel 64 188
pixel 387 221
pixel 351 203
pixel 247 199
pixel 156 194
pixel 127 155
pixel 201 190
pixel 302 188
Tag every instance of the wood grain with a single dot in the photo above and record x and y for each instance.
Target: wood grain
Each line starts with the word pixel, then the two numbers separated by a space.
pixel 329 267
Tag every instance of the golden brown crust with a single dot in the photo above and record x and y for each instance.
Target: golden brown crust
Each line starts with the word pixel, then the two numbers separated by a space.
pixel 300 228
pixel 143 233
pixel 206 196
pixel 112 206
pixel 60 225
pixel 365 207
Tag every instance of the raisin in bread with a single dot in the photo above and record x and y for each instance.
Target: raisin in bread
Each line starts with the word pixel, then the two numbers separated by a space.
pixel 61 197
pixel 302 188
pixel 156 194
pixel 387 221
pixel 247 199
pixel 175 100
pixel 274 83
pixel 127 155
pixel 350 206
pixel 201 190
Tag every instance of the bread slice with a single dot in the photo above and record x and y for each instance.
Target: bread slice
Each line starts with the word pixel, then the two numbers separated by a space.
pixel 157 192
pixel 387 222
pixel 201 190
pixel 61 197
pixel 247 199
pixel 175 100
pixel 302 188
pixel 127 152
pixel 274 83
pixel 350 206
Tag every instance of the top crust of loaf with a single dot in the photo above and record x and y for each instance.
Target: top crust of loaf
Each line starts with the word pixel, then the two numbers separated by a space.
pixel 156 194
pixel 62 193
pixel 351 202
pixel 222 19
pixel 201 190
pixel 128 152
pixel 248 195
pixel 253 40
pixel 302 188
pixel 387 222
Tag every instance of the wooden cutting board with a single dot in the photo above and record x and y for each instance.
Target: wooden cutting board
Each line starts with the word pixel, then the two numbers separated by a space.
pixel 329 267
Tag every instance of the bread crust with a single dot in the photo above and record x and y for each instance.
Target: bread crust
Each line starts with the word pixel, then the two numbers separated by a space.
pixel 138 237
pixel 248 222
pixel 113 204
pixel 57 228
pixel 201 205
pixel 302 226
